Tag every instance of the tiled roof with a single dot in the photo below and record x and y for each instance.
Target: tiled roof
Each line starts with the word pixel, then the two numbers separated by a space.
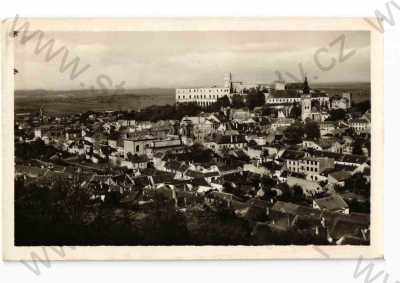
pixel 138 158
pixel 159 179
pixel 194 174
pixel 332 203
pixel 359 120
pixel 305 184
pixel 293 154
pixel 173 165
pixel 318 94
pixel 199 182
pixel 340 175
pixel 227 139
pixel 211 174
pixel 294 209
pixel 284 94
pixel 348 158
pixel 346 227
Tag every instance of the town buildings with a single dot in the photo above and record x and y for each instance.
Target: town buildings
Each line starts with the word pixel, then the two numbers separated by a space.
pixel 231 159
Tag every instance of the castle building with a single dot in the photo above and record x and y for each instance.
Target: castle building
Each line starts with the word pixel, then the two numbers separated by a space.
pixel 201 96
pixel 276 94
pixel 204 96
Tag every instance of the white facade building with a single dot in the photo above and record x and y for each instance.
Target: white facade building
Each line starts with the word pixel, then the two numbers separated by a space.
pixel 201 96
pixel 205 96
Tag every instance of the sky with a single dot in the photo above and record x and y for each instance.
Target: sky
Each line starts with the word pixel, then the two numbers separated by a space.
pixel 191 59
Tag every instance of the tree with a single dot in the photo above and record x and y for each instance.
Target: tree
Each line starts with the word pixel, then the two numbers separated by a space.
pixel 252 144
pixel 291 194
pixel 357 147
pixel 255 98
pixel 237 101
pixel 223 101
pixel 267 182
pixel 228 188
pixel 267 111
pixel 166 112
pixel 316 104
pixel 295 112
pixel 362 106
pixel 294 133
pixel 218 226
pixel 337 115
pixel 311 130
pixel 36 149
pixel 298 194
pixel 357 184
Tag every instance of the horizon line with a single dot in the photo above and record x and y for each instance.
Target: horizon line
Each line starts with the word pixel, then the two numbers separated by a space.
pixel 159 87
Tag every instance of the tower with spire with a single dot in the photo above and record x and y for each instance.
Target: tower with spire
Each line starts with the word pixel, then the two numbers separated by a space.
pixel 228 81
pixel 305 101
pixel 306 87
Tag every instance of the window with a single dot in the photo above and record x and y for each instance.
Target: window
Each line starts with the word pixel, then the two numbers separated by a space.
pixel 137 148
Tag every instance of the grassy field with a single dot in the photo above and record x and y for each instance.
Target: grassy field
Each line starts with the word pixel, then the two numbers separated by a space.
pixel 82 101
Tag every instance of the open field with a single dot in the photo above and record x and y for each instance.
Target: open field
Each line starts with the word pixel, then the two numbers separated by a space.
pixel 82 101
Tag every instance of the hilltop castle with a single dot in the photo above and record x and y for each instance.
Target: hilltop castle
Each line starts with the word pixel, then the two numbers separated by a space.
pixel 205 96
pixel 312 102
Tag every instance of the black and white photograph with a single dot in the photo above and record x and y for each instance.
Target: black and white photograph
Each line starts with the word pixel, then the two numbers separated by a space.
pixel 196 138
pixel 207 142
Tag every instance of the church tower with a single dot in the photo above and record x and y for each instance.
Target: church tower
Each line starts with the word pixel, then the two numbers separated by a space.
pixel 305 101
pixel 306 87
pixel 228 81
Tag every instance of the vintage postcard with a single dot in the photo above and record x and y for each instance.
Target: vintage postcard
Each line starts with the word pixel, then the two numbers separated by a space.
pixel 192 138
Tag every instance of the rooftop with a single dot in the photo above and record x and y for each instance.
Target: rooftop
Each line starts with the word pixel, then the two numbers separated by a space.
pixel 333 202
